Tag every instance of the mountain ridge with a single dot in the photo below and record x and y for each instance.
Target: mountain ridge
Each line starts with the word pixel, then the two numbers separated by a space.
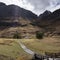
pixel 15 11
pixel 13 16
pixel 50 22
pixel 15 19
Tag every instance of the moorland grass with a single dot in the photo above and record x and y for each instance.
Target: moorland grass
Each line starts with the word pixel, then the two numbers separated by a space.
pixel 12 49
pixel 51 45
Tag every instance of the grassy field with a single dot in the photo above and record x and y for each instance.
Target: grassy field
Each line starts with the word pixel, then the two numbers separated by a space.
pixel 10 48
pixel 43 45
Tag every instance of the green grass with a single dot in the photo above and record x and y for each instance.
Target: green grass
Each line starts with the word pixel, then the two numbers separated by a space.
pixel 43 45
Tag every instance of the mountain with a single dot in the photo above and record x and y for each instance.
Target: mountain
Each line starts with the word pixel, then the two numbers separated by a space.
pixel 50 21
pixel 16 19
pixel 12 15
pixel 44 15
pixel 15 11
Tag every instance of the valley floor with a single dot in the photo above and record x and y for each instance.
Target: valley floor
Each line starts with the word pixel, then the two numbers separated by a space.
pixel 11 48
pixel 50 44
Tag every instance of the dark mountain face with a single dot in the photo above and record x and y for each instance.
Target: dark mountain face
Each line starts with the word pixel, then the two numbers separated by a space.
pixel 2 10
pixel 50 22
pixel 49 18
pixel 44 15
pixel 12 17
pixel 15 12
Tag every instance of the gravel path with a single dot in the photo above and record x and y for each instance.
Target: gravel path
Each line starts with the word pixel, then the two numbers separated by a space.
pixel 26 49
pixel 32 52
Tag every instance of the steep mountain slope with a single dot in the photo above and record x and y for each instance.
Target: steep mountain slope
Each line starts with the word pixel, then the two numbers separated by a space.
pixel 15 12
pixel 26 22
pixel 50 21
pixel 16 19
pixel 44 15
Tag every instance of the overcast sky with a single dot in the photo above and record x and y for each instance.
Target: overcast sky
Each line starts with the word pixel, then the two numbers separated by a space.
pixel 36 6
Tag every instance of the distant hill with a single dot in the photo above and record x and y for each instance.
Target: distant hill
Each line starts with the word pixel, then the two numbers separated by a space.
pixel 44 15
pixel 50 21
pixel 15 12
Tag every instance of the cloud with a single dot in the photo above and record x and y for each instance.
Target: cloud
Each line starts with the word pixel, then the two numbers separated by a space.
pixel 42 5
pixel 36 6
pixel 21 3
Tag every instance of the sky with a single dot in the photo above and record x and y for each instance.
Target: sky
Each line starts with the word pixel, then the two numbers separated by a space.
pixel 36 6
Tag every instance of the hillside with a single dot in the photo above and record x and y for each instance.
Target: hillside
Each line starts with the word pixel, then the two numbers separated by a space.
pixel 14 11
pixel 50 22
pixel 16 19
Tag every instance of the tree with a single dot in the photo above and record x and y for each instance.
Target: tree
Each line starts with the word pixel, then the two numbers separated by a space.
pixel 17 36
pixel 39 35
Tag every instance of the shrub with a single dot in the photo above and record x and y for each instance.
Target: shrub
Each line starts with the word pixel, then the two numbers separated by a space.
pixel 39 35
pixel 17 36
